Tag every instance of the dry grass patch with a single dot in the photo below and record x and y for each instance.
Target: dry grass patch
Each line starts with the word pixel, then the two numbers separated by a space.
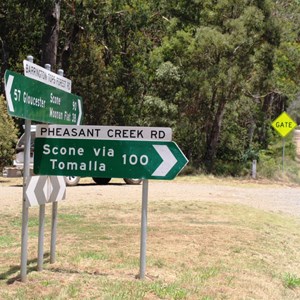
pixel 195 250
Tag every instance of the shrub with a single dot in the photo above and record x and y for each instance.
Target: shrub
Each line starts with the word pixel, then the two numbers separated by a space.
pixel 8 135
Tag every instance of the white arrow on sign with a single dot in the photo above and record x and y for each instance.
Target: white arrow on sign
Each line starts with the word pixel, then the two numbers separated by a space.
pixel 80 112
pixel 58 188
pixel 8 86
pixel 44 189
pixel 168 162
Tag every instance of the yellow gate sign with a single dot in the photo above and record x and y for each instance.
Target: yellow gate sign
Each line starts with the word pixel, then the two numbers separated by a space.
pixel 284 124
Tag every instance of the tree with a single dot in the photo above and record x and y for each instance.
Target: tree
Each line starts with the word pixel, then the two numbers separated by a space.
pixel 216 71
pixel 112 55
pixel 281 85
pixel 8 136
pixel 218 59
pixel 51 35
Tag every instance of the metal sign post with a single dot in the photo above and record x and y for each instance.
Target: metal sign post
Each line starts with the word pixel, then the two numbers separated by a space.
pixel 53 232
pixel 25 210
pixel 41 236
pixel 42 209
pixel 284 124
pixel 144 230
pixel 41 96
pixel 54 216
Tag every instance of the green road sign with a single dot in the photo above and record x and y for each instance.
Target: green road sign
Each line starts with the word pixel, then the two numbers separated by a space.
pixel 31 99
pixel 108 158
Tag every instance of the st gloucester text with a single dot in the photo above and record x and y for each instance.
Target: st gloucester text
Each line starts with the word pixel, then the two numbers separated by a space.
pixel 40 102
pixel 77 166
pixel 34 101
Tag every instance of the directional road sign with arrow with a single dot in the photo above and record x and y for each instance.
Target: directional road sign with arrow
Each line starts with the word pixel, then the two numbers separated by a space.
pixel 108 158
pixel 31 99
pixel 45 189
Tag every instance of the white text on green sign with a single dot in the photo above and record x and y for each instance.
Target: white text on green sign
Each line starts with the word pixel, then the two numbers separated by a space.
pixel 30 99
pixel 108 158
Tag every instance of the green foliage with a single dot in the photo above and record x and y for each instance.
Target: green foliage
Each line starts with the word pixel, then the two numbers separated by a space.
pixel 272 164
pixel 21 30
pixel 8 136
pixel 217 72
pixel 291 281
pixel 150 106
pixel 217 59
pixel 268 165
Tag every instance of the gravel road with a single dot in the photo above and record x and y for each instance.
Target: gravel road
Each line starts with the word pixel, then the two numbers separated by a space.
pixel 269 197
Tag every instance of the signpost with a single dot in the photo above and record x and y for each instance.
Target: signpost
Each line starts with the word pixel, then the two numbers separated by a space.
pixel 40 190
pixel 31 99
pixel 97 151
pixel 284 124
pixel 41 96
pixel 110 151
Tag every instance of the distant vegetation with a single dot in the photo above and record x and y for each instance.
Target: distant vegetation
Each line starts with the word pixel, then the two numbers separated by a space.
pixel 217 72
pixel 8 136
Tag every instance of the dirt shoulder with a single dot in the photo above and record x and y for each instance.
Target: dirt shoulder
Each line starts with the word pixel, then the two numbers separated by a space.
pixel 279 198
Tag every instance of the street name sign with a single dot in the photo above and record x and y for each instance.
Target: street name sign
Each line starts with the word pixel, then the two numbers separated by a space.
pixel 45 189
pixel 284 124
pixel 104 132
pixel 41 74
pixel 108 158
pixel 31 99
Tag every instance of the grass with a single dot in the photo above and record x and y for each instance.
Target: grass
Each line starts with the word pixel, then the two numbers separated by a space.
pixel 291 281
pixel 195 250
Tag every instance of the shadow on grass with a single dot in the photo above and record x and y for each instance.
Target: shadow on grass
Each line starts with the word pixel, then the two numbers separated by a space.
pixel 70 271
pixel 101 185
pixel 94 273
pixel 14 269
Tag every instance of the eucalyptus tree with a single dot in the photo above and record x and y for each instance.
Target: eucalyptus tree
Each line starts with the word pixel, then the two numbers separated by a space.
pixel 281 86
pixel 220 54
pixel 21 30
pixel 287 56
pixel 111 54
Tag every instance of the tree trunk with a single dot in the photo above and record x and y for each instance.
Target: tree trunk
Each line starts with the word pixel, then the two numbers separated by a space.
pixel 273 105
pixel 4 60
pixel 50 39
pixel 213 137
pixel 68 47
